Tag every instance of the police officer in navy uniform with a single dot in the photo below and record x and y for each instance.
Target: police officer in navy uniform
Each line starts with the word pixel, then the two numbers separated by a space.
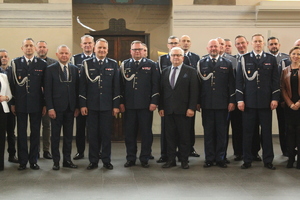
pixel 87 45
pixel 257 94
pixel 26 82
pixel 274 46
pixel 185 43
pixel 140 97
pixel 99 99
pixel 61 95
pixel 217 98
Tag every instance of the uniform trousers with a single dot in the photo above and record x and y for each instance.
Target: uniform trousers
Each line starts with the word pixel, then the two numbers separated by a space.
pixel 3 125
pixel 66 120
pixel 264 118
pixel 138 119
pixel 10 130
pixel 35 124
pixel 100 130
pixel 215 134
pixel 46 132
pixel 177 128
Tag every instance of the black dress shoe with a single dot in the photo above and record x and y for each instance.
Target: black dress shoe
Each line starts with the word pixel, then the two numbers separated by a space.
pixel 257 158
pixel 108 166
pixel 92 166
pixel 162 160
pixel 34 166
pixel 69 164
pixel 226 161
pixel 194 154
pixel 151 157
pixel 100 155
pixel 170 163
pixel 208 164
pixel 21 167
pixel 13 159
pixel 238 158
pixel 246 165
pixel 56 166
pixel 78 156
pixel 185 165
pixel 145 164
pixel 222 164
pixel 129 163
pixel 269 166
pixel 47 155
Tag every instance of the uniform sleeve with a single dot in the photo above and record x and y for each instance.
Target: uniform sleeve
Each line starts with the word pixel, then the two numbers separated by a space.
pixel 116 86
pixel 82 86
pixel 239 92
pixel 231 84
pixel 275 81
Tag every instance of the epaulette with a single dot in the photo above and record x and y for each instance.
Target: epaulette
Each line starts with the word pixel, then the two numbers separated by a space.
pixel 110 59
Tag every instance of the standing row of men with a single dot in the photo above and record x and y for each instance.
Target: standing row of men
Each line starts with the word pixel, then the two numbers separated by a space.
pixel 103 95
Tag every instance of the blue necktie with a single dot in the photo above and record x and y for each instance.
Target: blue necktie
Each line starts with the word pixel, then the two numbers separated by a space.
pixel 173 77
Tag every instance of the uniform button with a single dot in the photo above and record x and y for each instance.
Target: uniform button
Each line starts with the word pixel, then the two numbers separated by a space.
pixel 258 87
pixel 100 86
pixel 100 92
pixel 214 71
pixel 28 74
pixel 135 88
pixel 100 74
pixel 136 72
pixel 214 89
pixel 100 80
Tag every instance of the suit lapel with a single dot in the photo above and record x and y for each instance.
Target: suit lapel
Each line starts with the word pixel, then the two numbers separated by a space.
pixel 180 76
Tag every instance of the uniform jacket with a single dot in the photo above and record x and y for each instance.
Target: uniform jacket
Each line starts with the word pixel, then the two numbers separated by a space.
pixel 192 59
pixel 183 96
pixel 286 85
pixel 219 90
pixel 78 59
pixel 28 98
pixel 61 94
pixel 143 89
pixel 259 92
pixel 102 93
pixel 281 56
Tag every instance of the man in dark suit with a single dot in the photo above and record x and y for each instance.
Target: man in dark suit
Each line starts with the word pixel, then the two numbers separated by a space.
pixel 42 51
pixel 99 99
pixel 185 43
pixel 27 79
pixel 257 94
pixel 274 46
pixel 11 118
pixel 87 44
pixel 61 94
pixel 140 96
pixel 179 93
pixel 217 98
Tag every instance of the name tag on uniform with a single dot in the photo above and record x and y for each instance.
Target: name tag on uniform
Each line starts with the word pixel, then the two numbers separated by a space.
pixel 92 69
pixel 38 70
pixel 267 63
pixel 109 69
pixel 223 67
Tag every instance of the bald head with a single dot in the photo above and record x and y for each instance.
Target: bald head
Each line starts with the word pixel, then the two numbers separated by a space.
pixel 297 43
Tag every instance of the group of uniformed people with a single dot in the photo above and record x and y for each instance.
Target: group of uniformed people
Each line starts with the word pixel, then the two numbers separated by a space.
pixel 243 89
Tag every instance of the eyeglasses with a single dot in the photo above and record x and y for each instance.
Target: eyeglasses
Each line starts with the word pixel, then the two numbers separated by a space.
pixel 137 49
pixel 176 55
pixel 173 43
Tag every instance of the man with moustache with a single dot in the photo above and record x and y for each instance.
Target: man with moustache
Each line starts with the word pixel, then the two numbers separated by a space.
pixel 27 82
pixel 217 98
pixel 257 94
pixel 99 99
pixel 42 51
pixel 61 95
pixel 140 96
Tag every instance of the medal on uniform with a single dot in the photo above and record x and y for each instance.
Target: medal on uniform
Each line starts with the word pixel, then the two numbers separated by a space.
pixel 248 71
pixel 19 77
pixel 204 75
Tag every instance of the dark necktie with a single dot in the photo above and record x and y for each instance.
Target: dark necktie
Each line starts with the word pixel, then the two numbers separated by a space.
pixel 136 64
pixel 214 62
pixel 172 82
pixel 100 62
pixel 65 73
pixel 29 62
pixel 257 57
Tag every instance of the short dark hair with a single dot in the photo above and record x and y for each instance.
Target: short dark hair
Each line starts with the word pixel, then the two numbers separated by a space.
pixel 273 38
